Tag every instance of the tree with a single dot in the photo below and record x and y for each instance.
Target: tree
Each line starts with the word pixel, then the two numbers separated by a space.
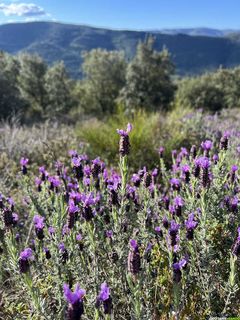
pixel 10 98
pixel 104 76
pixel 31 82
pixel 212 91
pixel 59 89
pixel 148 80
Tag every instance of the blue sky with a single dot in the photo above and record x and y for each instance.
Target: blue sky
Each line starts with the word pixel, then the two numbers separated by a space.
pixel 127 14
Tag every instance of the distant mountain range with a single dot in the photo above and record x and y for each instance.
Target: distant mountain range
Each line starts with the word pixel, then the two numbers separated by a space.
pixel 193 50
pixel 208 32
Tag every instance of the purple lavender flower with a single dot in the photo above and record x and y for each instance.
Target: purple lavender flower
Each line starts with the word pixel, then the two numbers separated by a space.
pixel 39 225
pixel 38 221
pixel 233 204
pixel 47 253
pixel 51 230
pixel 193 152
pixel 154 174
pixel 215 158
pixel 77 167
pixel 87 171
pixel 72 208
pixel 178 204
pixel 190 225
pixel 147 179
pixel 109 234
pixel 175 184
pixel 204 162
pixel 18 237
pixel 75 302
pixel 54 182
pixel 233 174
pixel 177 267
pixel 72 213
pixel 15 218
pixel 173 232
pixel 38 183
pixel 205 165
pixel 136 180
pixel 63 253
pixel 206 146
pixel 165 222
pixel 96 167
pixel 26 254
pixel 78 237
pixel 24 258
pixel 160 151
pixel 197 167
pixel 24 163
pixel 11 202
pixel 166 201
pixel 224 141
pixel 8 217
pixel 76 196
pixel 66 230
pixel 88 200
pixel 123 132
pixel 61 246
pixel 158 231
pixel 124 144
pixel 43 173
pixel 134 260
pixel 186 172
pixel 104 298
pixel 174 154
pixel 73 153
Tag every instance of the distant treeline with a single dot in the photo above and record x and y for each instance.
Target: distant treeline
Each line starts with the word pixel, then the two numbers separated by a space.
pixel 36 91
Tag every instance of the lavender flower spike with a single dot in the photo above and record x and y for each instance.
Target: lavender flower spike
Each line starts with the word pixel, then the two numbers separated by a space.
pixel 190 225
pixel 23 163
pixel 124 144
pixel 105 298
pixel 75 300
pixel 207 146
pixel 134 260
pixel 177 267
pixel 39 225
pixel 24 258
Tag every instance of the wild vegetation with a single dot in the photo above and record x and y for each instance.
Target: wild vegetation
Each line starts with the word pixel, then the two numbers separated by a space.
pixel 155 244
pixel 142 223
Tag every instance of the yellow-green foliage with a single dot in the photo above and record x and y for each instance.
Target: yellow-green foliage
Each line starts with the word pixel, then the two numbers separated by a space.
pixel 211 91
pixel 102 137
pixel 151 130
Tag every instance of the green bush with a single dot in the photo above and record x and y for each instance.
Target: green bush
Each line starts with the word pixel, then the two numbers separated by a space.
pixel 151 130
pixel 102 138
pixel 211 91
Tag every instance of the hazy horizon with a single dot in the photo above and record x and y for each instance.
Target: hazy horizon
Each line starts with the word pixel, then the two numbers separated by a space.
pixel 122 28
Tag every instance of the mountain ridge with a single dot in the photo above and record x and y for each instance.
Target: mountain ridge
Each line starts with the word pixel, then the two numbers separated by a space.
pixel 192 54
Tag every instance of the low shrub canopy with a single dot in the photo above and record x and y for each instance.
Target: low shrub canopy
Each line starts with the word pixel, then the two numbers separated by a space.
pixel 155 244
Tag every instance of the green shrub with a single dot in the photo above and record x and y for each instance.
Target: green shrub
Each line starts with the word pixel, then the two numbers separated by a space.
pixel 102 138
pixel 211 91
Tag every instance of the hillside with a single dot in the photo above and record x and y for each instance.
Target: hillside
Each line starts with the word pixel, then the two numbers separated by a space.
pixel 56 41
pixel 209 32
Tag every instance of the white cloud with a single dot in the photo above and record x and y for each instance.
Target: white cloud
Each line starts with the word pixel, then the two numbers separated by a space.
pixel 22 9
